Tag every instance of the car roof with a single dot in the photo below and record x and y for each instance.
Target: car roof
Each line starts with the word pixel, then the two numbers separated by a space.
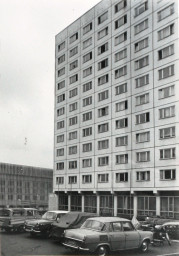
pixel 108 219
pixel 171 223
pixel 58 211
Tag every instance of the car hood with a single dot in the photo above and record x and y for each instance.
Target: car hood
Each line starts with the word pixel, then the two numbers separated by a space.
pixel 79 233
pixel 39 221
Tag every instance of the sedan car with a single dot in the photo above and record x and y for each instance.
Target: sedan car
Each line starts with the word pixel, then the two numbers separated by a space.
pixel 103 234
pixel 70 220
pixel 43 225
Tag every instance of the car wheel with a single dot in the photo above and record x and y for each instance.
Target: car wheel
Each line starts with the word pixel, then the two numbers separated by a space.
pixel 102 250
pixel 144 246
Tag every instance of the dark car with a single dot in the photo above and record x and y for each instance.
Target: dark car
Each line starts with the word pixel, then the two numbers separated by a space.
pixel 43 225
pixel 71 220
pixel 172 229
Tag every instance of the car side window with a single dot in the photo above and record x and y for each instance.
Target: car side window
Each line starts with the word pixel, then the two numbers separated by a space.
pixel 127 226
pixel 117 227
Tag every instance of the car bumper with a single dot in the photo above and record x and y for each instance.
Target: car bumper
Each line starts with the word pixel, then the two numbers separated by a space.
pixel 75 247
pixel 31 230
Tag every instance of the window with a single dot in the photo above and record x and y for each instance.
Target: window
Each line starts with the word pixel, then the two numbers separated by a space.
pixel 144 43
pixel 165 32
pixel 87 163
pixel 121 38
pixel 142 99
pixel 60 98
pixel 61 59
pixel 72 150
pixel 120 55
pixel 87 116
pixel 103 128
pixel 61 72
pixel 103 111
pixel 122 123
pixel 72 164
pixel 166 92
pixel 60 166
pixel 122 141
pixel 121 72
pixel 143 118
pixel 73 120
pixel 87 28
pixel 73 135
pixel 143 156
pixel 73 93
pixel 87 101
pixel 122 159
pixel 103 48
pixel 73 106
pixel 143 62
pixel 72 179
pixel 166 72
pixel 141 8
pixel 167 112
pixel 168 174
pixel 121 105
pixel 167 133
pixel 60 152
pixel 102 64
pixel 142 137
pixel 167 153
pixel 61 85
pixel 103 79
pixel 86 179
pixel 87 72
pixel 140 27
pixel 87 147
pixel 166 52
pixel 164 13
pixel 122 4
pixel 73 51
pixel 103 33
pixel 73 78
pixel 61 46
pixel 59 180
pixel 103 144
pixel 103 95
pixel 60 138
pixel 74 65
pixel 87 86
pixel 60 124
pixel 143 176
pixel 141 81
pixel 122 177
pixel 122 88
pixel 60 111
pixel 73 38
pixel 87 57
pixel 103 178
pixel 87 43
pixel 118 23
pixel 87 131
pixel 102 18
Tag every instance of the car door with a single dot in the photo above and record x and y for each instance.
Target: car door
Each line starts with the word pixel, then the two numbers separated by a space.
pixel 132 237
pixel 117 237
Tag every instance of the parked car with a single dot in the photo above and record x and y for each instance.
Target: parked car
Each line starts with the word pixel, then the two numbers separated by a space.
pixel 71 220
pixel 43 225
pixel 172 229
pixel 12 219
pixel 104 234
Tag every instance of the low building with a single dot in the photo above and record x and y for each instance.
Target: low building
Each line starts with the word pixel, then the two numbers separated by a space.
pixel 25 186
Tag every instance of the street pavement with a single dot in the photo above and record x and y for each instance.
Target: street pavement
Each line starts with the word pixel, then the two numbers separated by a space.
pixel 22 245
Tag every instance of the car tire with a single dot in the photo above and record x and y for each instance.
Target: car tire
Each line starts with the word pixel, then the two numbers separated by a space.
pixel 144 246
pixel 102 250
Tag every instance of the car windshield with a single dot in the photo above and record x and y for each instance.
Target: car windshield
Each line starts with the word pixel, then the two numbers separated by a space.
pixel 5 213
pixel 49 216
pixel 93 224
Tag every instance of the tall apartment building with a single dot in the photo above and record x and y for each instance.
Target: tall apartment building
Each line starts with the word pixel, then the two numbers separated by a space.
pixel 116 148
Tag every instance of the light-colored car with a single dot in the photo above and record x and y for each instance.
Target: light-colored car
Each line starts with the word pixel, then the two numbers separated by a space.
pixel 101 235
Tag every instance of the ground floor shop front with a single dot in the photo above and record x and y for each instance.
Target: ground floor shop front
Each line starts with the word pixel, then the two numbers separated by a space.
pixel 139 204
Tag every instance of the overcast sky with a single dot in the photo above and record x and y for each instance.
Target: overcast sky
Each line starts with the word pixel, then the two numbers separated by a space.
pixel 27 50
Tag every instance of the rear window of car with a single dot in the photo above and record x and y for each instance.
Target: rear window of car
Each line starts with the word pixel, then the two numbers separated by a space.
pixel 5 213
pixel 127 226
pixel 117 226
pixel 18 213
